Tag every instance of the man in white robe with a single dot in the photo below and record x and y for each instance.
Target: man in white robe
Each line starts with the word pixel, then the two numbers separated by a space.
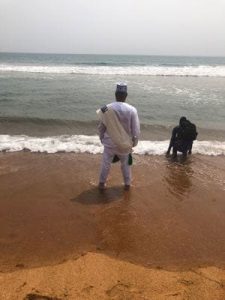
pixel 128 117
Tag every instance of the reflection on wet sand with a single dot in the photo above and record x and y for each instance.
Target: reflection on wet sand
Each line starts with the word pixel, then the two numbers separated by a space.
pixel 114 218
pixel 178 177
pixel 116 226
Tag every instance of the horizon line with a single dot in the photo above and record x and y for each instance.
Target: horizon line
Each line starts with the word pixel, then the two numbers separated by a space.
pixel 111 54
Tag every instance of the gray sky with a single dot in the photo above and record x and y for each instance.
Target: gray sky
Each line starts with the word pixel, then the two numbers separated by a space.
pixel 160 27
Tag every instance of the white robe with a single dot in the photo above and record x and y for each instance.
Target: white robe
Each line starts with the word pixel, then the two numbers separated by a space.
pixel 119 127
pixel 119 130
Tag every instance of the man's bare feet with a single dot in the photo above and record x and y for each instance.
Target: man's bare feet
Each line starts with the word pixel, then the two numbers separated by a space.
pixel 126 187
pixel 101 186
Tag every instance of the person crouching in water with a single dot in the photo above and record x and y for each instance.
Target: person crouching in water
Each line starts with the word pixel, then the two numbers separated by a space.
pixel 182 138
pixel 119 130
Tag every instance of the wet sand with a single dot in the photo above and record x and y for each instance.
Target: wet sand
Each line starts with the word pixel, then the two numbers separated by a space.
pixel 53 219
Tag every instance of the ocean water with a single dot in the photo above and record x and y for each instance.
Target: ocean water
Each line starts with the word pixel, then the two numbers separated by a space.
pixel 48 102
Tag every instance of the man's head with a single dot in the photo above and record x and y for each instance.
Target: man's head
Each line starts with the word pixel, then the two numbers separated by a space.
pixel 121 92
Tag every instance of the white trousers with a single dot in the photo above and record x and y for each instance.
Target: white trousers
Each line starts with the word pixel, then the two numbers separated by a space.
pixel 107 158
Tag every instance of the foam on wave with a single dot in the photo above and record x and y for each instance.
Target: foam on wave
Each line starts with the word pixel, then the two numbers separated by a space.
pixel 91 144
pixel 198 71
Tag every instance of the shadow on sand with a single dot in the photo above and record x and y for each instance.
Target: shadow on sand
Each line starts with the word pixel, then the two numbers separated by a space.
pixel 94 196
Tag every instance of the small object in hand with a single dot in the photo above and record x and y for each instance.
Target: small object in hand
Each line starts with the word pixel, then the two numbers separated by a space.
pixel 130 160
pixel 115 159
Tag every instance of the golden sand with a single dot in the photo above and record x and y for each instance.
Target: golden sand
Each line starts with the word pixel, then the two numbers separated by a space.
pixel 96 276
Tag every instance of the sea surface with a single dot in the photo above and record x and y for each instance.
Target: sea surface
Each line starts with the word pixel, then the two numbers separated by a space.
pixel 48 102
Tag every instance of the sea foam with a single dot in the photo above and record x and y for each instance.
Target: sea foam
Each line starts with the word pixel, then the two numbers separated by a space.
pixel 91 144
pixel 198 71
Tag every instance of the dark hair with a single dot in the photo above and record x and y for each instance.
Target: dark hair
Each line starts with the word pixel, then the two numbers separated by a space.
pixel 120 96
pixel 182 120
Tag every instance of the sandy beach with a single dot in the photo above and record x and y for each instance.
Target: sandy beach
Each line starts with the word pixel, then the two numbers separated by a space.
pixel 62 239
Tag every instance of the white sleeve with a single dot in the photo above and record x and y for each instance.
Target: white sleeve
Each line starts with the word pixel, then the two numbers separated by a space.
pixel 135 124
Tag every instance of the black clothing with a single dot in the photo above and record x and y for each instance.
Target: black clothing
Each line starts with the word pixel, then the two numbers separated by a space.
pixel 179 144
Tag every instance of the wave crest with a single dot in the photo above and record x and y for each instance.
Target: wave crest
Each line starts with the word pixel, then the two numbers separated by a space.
pixel 91 144
pixel 190 71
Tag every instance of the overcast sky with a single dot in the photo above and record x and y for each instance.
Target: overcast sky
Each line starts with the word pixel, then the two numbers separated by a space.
pixel 152 27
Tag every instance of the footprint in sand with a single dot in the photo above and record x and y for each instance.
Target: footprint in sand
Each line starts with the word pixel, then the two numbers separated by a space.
pixel 39 297
pixel 122 291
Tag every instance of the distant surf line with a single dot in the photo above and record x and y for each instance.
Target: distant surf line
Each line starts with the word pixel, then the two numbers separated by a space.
pixel 180 71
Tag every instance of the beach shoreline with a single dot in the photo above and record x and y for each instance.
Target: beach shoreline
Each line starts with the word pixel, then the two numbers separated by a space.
pixel 53 214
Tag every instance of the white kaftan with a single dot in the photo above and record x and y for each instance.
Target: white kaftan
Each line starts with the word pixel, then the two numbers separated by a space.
pixel 128 117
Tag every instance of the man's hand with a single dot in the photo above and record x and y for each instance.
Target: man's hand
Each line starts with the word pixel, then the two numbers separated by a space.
pixel 135 141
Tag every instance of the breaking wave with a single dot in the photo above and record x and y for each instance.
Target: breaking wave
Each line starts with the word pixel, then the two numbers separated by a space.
pixel 91 144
